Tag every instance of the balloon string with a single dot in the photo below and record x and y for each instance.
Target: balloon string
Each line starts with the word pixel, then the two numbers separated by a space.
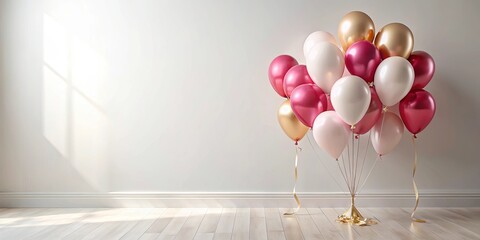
pixel 347 181
pixel 356 164
pixel 370 172
pixel 384 111
pixel 417 197
pixel 322 162
pixel 295 174
pixel 364 160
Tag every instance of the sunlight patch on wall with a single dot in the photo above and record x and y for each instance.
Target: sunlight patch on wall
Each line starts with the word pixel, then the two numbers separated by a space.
pixel 89 141
pixel 55 46
pixel 89 70
pixel 55 110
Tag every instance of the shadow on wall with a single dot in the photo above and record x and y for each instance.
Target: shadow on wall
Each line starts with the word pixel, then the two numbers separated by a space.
pixel 73 123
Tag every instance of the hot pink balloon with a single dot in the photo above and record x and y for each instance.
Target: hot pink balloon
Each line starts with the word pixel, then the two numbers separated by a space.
pixel 307 102
pixel 362 59
pixel 296 76
pixel 371 117
pixel 277 70
pixel 417 110
pixel 424 68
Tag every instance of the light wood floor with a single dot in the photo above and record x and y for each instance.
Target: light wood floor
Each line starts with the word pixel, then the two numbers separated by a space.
pixel 231 223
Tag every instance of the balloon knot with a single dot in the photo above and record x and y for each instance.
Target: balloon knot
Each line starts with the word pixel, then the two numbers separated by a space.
pixel 415 136
pixel 357 136
pixel 371 84
pixel 385 109
pixel 352 127
pixel 296 143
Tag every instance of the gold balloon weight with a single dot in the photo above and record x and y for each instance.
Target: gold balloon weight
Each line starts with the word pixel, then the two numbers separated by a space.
pixel 353 216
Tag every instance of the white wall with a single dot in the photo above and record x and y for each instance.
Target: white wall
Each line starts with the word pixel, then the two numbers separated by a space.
pixel 170 96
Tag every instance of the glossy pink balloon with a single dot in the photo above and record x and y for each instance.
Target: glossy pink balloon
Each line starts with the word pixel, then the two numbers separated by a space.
pixel 371 117
pixel 362 59
pixel 307 102
pixel 295 77
pixel 277 70
pixel 424 68
pixel 417 110
pixel 387 133
pixel 330 133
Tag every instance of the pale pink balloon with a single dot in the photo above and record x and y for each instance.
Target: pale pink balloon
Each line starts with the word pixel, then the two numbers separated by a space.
pixel 296 76
pixel 387 133
pixel 307 102
pixel 330 133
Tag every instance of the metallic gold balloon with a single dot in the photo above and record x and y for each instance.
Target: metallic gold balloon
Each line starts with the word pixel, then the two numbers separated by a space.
pixel 289 122
pixel 355 26
pixel 394 39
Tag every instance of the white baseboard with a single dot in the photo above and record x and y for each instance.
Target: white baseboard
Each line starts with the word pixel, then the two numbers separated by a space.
pixel 229 199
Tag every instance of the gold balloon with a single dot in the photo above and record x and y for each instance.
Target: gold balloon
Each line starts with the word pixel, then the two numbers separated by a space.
pixel 394 39
pixel 355 26
pixel 289 122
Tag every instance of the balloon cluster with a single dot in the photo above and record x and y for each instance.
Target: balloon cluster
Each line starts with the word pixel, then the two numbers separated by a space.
pixel 349 88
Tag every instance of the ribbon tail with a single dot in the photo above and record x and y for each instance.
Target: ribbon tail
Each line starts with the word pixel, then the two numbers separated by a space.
pixel 295 174
pixel 417 197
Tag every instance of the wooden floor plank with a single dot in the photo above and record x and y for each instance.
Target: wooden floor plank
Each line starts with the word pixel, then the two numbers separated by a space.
pixel 258 224
pixel 274 224
pixel 307 225
pixel 397 225
pixel 226 222
pixel 177 223
pixel 231 223
pixel 143 225
pixel 291 228
pixel 189 229
pixel 241 228
pixel 210 221
pixel 346 230
pixel 324 225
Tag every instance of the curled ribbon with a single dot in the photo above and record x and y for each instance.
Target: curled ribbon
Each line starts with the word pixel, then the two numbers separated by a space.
pixel 417 197
pixel 295 174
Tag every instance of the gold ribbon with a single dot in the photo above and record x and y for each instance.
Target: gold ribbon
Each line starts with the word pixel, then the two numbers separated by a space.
pixel 295 174
pixel 417 197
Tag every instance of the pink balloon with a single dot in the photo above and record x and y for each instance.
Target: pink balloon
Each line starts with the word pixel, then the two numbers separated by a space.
pixel 371 117
pixel 277 70
pixel 330 133
pixel 424 68
pixel 296 76
pixel 387 133
pixel 362 59
pixel 417 110
pixel 307 102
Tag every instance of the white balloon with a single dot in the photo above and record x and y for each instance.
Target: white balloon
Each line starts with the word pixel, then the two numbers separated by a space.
pixel 393 80
pixel 316 37
pixel 350 98
pixel 387 133
pixel 325 65
pixel 330 133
